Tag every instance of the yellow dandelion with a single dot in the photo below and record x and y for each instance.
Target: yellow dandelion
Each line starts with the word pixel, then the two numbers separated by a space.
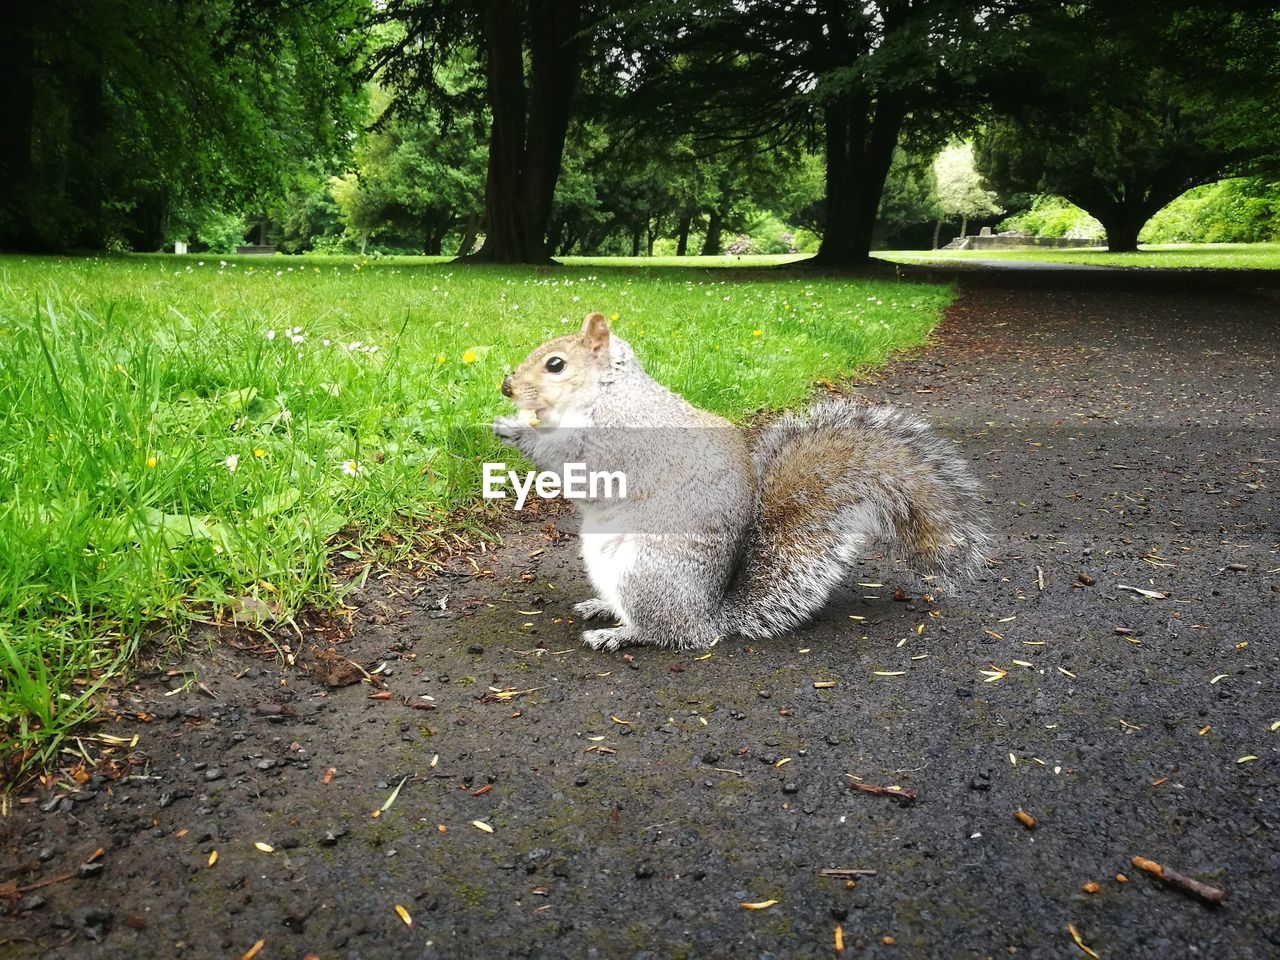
pixel 613 318
pixel 440 358
pixel 151 463
pixel 259 453
pixel 757 333
pixel 469 357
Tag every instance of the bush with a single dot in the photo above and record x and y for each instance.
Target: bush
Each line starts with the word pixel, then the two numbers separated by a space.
pixel 1231 211
pixel 1052 216
pixel 221 232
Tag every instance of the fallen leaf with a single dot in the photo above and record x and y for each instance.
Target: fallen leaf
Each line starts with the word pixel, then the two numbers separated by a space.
pixel 329 775
pixel 392 799
pixel 761 905
pixel 213 857
pixel 481 825
pixel 1075 935
pixel 404 915
pixel 1247 759
pixel 265 847
pixel 253 951
pixel 1152 594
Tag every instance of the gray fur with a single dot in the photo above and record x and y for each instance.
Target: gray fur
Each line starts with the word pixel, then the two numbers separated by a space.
pixel 714 539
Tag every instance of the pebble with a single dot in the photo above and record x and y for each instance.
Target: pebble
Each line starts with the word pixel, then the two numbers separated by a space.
pixel 644 870
pixel 213 773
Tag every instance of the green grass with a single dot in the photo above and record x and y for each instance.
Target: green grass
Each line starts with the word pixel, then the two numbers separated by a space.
pixel 1221 256
pixel 130 387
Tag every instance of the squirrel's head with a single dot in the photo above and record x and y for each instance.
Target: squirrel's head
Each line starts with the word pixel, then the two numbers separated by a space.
pixel 564 374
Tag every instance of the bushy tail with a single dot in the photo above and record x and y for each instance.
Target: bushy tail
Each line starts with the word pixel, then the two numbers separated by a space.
pixel 835 481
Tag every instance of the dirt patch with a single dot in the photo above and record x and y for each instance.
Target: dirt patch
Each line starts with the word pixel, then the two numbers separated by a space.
pixel 1126 430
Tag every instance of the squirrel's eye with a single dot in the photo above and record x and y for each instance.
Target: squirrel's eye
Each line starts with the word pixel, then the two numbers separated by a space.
pixel 555 364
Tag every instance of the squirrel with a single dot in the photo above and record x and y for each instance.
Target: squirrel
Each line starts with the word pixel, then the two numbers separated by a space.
pixel 714 537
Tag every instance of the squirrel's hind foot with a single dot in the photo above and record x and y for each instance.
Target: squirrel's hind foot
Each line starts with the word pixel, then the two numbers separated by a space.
pixel 595 608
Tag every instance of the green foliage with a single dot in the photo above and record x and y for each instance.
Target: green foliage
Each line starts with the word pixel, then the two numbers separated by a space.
pixel 181 438
pixel 961 192
pixel 220 232
pixel 1138 105
pixel 910 197
pixel 415 180
pixel 1051 216
pixel 123 114
pixel 1233 211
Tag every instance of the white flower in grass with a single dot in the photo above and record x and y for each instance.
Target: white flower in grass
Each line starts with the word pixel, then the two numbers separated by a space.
pixel 271 335
pixel 232 462
pixel 222 263
pixel 352 468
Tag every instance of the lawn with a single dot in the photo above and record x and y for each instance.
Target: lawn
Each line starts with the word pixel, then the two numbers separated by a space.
pixel 191 438
pixel 1222 256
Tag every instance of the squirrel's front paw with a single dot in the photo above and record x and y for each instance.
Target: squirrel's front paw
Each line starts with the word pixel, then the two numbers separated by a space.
pixel 508 428
pixel 595 607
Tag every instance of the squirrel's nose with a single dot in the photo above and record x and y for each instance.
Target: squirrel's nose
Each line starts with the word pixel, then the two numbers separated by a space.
pixel 506 387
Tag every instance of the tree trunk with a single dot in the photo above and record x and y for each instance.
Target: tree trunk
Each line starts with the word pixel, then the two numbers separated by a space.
pixel 651 231
pixel 1124 213
pixel 433 242
pixel 964 225
pixel 635 241
pixel 682 234
pixel 526 138
pixel 17 119
pixel 1122 233
pixel 860 139
pixel 84 187
pixel 469 234
pixel 937 230
pixel 711 244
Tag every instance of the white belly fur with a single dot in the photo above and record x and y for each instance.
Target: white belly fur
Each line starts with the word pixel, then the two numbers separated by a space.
pixel 607 557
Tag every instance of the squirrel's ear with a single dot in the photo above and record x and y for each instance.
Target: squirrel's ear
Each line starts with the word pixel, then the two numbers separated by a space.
pixel 595 330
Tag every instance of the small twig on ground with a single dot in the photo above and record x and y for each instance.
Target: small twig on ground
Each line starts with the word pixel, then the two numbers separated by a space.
pixel 846 873
pixel 1181 881
pixel 902 793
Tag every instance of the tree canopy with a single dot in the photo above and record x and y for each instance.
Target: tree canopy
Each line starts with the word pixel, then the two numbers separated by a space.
pixel 543 127
pixel 1137 106
pixel 116 114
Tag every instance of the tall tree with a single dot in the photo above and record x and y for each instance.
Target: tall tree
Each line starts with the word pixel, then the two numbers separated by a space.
pixel 115 111
pixel 863 76
pixel 529 53
pixel 961 191
pixel 1189 98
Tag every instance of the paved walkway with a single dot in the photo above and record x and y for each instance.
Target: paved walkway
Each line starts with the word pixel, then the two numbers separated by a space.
pixel 1126 428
